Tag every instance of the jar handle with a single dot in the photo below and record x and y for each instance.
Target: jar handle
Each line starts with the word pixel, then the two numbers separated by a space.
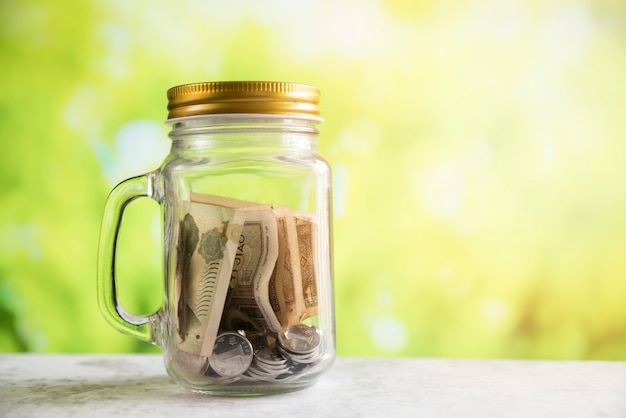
pixel 142 327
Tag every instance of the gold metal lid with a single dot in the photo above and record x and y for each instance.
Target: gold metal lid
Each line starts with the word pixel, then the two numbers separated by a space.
pixel 275 98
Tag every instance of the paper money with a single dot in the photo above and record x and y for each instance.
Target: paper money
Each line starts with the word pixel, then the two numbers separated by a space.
pixel 306 232
pixel 286 283
pixel 188 243
pixel 242 266
pixel 248 305
pixel 206 266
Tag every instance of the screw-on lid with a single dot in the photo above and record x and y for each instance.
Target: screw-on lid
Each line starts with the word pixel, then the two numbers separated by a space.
pixel 274 98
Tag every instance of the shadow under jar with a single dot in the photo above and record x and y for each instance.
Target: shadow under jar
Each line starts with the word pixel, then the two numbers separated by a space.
pixel 246 200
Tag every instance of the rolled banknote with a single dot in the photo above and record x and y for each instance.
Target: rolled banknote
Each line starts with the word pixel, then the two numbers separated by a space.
pixel 247 304
pixel 210 232
pixel 306 232
pixel 286 283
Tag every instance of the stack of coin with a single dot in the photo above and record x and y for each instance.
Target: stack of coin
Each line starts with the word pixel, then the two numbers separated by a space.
pixel 263 358
pixel 268 366
pixel 300 345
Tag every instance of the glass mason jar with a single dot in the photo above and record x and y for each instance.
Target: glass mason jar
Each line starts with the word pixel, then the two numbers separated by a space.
pixel 246 201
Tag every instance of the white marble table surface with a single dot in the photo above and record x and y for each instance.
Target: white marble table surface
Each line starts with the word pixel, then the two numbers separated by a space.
pixel 51 385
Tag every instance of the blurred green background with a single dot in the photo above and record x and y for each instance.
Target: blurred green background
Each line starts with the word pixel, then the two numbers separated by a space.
pixel 478 148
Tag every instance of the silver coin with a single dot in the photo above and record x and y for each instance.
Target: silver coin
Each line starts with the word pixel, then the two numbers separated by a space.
pixel 254 371
pixel 190 363
pixel 232 354
pixel 301 370
pixel 219 380
pixel 299 339
pixel 268 357
pixel 248 378
pixel 268 366
pixel 275 369
pixel 307 358
pixel 252 374
pixel 271 369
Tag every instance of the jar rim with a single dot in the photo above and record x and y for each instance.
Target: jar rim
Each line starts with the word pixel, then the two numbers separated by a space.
pixel 243 116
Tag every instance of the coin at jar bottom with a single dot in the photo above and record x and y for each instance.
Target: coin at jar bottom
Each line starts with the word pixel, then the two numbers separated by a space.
pixel 232 354
pixel 221 380
pixel 268 358
pixel 191 363
pixel 309 358
pixel 300 339
pixel 256 372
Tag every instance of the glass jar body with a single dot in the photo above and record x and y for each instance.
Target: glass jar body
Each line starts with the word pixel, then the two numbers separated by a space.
pixel 248 257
